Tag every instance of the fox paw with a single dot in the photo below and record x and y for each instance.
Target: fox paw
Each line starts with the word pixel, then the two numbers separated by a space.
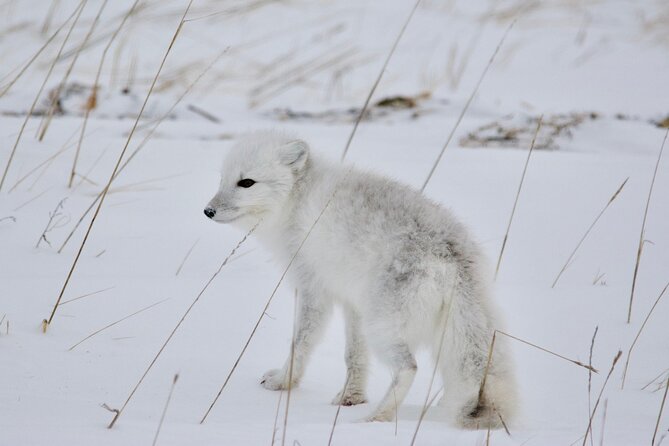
pixel 380 416
pixel 274 379
pixel 350 398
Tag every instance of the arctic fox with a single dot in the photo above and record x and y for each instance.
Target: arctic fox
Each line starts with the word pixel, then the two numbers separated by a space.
pixel 404 270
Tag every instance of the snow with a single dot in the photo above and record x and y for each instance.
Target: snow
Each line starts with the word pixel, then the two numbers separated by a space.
pixel 561 57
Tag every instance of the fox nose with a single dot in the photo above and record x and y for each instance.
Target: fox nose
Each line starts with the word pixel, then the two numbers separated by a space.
pixel 209 212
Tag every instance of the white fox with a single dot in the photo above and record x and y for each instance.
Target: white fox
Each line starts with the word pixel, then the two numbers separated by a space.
pixel 402 267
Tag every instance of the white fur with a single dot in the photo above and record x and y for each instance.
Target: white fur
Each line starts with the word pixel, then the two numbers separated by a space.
pixel 395 261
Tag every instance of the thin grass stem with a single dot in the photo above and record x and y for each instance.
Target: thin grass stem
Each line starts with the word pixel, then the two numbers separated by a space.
pixel 643 228
pixel 587 232
pixel 115 323
pixel 636 338
pixel 659 415
pixel 378 79
pixel 167 404
pixel 520 187
pixel 447 317
pixel 290 376
pixel 334 422
pixel 594 409
pixel 466 107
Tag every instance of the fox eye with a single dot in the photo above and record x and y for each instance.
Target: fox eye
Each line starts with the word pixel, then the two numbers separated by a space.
pixel 246 182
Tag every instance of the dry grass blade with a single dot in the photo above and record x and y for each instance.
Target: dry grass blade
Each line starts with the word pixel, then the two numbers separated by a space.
pixel 604 411
pixel 167 404
pixel 520 187
pixel 643 228
pixel 487 368
pixel 183 262
pixel 659 415
pixel 65 147
pixel 176 327
pixel 49 16
pixel 396 414
pixel 41 174
pixel 423 413
pixel 85 177
pixel 636 338
pixel 290 376
pixel 506 428
pixel 116 322
pixel 142 185
pixel 456 73
pixel 141 145
pixel 656 379
pixel 103 36
pixel 378 79
pixel 36 55
pixel 245 8
pixel 592 347
pixel 276 417
pixel 55 95
pixel 426 405
pixel 298 70
pixel 118 163
pixel 204 113
pixel 467 104
pixel 578 363
pixel 31 200
pixel 56 220
pixel 585 235
pixel 302 76
pixel 39 93
pixel 334 422
pixel 90 104
pixel 599 397
pixel 86 295
pixel 271 297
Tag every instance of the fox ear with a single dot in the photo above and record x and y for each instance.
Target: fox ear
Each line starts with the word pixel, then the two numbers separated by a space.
pixel 294 154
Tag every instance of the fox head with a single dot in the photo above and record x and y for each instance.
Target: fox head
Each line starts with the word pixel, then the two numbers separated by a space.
pixel 257 178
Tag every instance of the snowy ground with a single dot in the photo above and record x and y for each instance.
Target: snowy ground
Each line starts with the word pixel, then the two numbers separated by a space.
pixel 606 57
